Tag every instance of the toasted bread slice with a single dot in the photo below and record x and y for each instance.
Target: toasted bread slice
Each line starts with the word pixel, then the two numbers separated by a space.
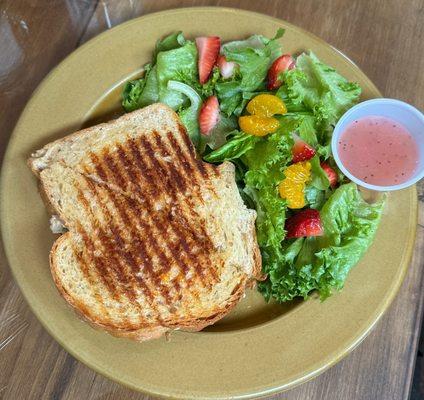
pixel 157 240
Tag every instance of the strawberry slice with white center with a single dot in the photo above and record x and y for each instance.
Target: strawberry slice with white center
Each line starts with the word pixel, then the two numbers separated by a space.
pixel 331 174
pixel 301 150
pixel 281 64
pixel 226 68
pixel 208 50
pixel 304 224
pixel 209 115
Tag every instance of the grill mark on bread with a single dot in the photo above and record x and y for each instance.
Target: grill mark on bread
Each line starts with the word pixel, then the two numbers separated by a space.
pixel 93 285
pixel 187 141
pixel 166 262
pixel 98 263
pixel 134 175
pixel 197 231
pixel 190 228
pixel 212 169
pixel 140 247
pixel 98 168
pixel 201 166
pixel 187 166
pixel 175 176
pixel 153 180
pixel 127 255
pixel 193 168
pixel 196 259
pixel 137 157
pixel 113 168
pixel 202 169
pixel 170 176
pixel 112 247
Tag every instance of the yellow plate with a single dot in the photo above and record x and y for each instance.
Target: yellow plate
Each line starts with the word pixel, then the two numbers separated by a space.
pixel 258 349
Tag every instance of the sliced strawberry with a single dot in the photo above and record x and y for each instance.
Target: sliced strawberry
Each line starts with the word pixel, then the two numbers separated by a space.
pixel 209 115
pixel 226 68
pixel 304 223
pixel 281 64
pixel 208 49
pixel 301 150
pixel 331 174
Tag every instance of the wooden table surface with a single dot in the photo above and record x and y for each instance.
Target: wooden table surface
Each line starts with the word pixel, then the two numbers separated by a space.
pixel 384 37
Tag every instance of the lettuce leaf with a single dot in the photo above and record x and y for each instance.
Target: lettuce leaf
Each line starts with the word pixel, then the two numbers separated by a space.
pixel 271 214
pixel 132 93
pixel 308 131
pixel 229 94
pixel 350 224
pixel 300 266
pixel 207 89
pixel 170 42
pixel 233 149
pixel 176 59
pixel 141 92
pixel 179 65
pixel 265 163
pixel 150 93
pixel 321 89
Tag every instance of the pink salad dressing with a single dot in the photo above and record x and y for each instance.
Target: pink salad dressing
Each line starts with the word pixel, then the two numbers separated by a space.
pixel 379 151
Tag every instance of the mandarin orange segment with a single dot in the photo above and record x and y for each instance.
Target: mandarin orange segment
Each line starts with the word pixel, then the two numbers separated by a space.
pixel 292 188
pixel 258 126
pixel 299 172
pixel 266 105
pixel 293 193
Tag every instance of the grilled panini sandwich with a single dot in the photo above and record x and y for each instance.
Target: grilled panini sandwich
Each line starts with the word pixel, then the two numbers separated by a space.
pixel 156 239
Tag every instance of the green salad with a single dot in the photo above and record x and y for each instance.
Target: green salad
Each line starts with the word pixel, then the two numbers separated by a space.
pixel 272 115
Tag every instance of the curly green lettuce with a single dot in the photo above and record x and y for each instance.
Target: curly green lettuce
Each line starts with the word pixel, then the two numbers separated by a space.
pixel 320 89
pixel 322 263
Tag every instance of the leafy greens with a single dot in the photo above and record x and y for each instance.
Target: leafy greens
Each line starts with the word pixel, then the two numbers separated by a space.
pixel 322 263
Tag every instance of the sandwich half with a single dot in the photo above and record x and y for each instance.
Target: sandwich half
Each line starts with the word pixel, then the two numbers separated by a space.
pixel 155 239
